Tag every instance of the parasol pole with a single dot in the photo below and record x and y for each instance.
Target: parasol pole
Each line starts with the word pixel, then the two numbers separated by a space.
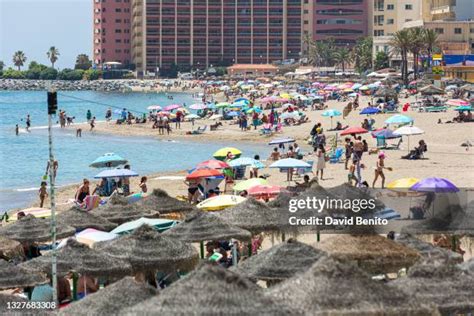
pixel 52 107
pixel 201 247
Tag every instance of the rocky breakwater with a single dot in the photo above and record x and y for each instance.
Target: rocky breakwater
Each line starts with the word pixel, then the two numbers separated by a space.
pixel 64 85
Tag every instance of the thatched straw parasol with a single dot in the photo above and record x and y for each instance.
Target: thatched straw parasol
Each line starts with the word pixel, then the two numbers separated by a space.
pixel 5 299
pixel 78 257
pixel 31 229
pixel 146 249
pixel 80 220
pixel 280 262
pixel 160 201
pixel 468 266
pixel 202 226
pixel 11 249
pixel 112 299
pixel 254 216
pixel 429 252
pixel 122 213
pixel 372 253
pixel 431 90
pixel 212 290
pixel 446 286
pixel 331 287
pixel 12 276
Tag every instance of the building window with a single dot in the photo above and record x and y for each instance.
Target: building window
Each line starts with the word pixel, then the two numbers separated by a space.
pixel 118 41
pixel 471 30
pixel 390 21
pixel 378 33
pixel 408 20
pixel 305 11
pixel 118 20
pixel 408 6
pixel 118 31
pixel 457 30
pixel 118 10
pixel 439 30
pixel 305 22
pixel 390 7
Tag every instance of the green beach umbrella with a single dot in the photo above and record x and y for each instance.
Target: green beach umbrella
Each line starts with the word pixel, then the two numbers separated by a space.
pixel 222 105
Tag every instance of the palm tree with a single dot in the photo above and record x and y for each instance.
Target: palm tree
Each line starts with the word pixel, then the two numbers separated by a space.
pixel 341 57
pixel 430 41
pixel 362 54
pixel 400 44
pixel 19 59
pixel 415 47
pixel 52 54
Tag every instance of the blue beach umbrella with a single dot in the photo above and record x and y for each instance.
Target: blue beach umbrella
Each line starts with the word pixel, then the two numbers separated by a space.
pixel 232 114
pixel 369 111
pixel 108 160
pixel 246 161
pixel 399 119
pixel 242 100
pixel 385 133
pixel 116 173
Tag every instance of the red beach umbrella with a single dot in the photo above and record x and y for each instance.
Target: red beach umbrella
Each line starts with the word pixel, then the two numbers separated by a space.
pixel 354 130
pixel 264 190
pixel 203 173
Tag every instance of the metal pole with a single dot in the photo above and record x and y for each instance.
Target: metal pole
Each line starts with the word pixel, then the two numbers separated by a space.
pixel 53 210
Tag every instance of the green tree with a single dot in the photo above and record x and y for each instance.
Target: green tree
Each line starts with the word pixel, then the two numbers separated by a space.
pixel 342 56
pixel 19 59
pixel 382 60
pixel 71 74
pixel 92 74
pixel 2 65
pixel 34 70
pixel 49 74
pixel 13 74
pixel 53 55
pixel 430 41
pixel 400 44
pixel 83 62
pixel 362 54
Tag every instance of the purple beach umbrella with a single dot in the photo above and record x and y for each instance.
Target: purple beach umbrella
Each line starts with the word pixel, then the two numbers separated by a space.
pixel 437 185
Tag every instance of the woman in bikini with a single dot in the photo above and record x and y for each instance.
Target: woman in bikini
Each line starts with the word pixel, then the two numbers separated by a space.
pixel 379 170
pixel 83 191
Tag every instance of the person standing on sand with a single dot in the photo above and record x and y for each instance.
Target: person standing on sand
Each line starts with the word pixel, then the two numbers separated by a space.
pixel 43 193
pixel 143 186
pixel 92 123
pixel 379 170
pixel 321 154
pixel 88 115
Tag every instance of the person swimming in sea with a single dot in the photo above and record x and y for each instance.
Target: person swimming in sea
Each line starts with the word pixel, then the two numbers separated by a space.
pixel 28 123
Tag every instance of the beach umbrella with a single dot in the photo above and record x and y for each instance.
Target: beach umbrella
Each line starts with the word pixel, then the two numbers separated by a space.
pixel 192 117
pixel 364 88
pixel 280 262
pixel 357 293
pixel 369 111
pixel 154 108
pixel 281 141
pixel 263 190
pixel 80 219
pixel 246 161
pixel 232 114
pixel 164 113
pixel 222 105
pixel 243 100
pixel 35 211
pixel 146 249
pixel 434 184
pixel 11 250
pixel 78 257
pixel 120 213
pixel 198 106
pixel 331 113
pixel 220 202
pixel 246 184
pixel 221 154
pixel 468 266
pixel 212 164
pixel 428 251
pixel 254 109
pixel 90 236
pixel 204 173
pixel 172 107
pixel 290 115
pixel 32 229
pixel 373 253
pixel 446 286
pixel 408 131
pixel 354 130
pixel 399 119
pixel 108 160
pixel 159 224
pixel 431 90
pixel 404 183
pixel 212 290
pixel 290 163
pixel 12 276
pixel 216 117
pixel 106 302
pixel 463 108
pixel 160 202
pixel 385 133
pixel 116 173
pixel 202 226
pixel 253 216
pixel 356 86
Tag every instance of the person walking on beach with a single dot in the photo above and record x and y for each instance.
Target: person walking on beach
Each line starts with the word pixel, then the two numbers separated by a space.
pixel 348 151
pixel 17 130
pixel 43 193
pixel 108 114
pixel 28 123
pixel 54 169
pixel 92 123
pixel 88 115
pixel 321 154
pixel 379 170
pixel 143 186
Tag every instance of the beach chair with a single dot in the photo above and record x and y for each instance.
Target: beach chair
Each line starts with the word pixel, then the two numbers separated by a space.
pixel 336 155
pixel 394 146
pixel 266 130
pixel 381 143
pixel 387 214
pixel 302 171
pixel 199 130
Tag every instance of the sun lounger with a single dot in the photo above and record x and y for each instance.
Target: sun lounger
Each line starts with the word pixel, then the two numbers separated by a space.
pixel 336 155
pixel 199 130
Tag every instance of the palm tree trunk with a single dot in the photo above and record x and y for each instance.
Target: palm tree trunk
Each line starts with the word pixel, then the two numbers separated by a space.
pixel 343 68
pixel 18 68
pixel 415 65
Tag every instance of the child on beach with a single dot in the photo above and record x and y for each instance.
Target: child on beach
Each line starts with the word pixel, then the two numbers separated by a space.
pixel 43 193
pixel 143 186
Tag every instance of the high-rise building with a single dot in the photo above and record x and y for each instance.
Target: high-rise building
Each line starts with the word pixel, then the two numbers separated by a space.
pixel 111 32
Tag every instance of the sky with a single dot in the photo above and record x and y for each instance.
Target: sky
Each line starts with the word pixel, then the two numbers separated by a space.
pixel 33 26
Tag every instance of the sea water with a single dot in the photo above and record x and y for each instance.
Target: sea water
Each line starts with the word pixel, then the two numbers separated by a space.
pixel 23 158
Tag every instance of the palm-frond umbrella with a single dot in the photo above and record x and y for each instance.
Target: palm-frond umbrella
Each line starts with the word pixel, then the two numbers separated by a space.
pixel 160 201
pixel 212 290
pixel 468 266
pixel 11 249
pixel 146 249
pixel 446 286
pixel 112 299
pixel 372 253
pixel 33 229
pixel 431 90
pixel 119 213
pixel 78 257
pixel 12 276
pixel 428 251
pixel 80 220
pixel 280 262
pixel 331 287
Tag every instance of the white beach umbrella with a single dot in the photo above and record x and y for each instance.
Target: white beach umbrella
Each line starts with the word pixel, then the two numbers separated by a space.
pixel 408 131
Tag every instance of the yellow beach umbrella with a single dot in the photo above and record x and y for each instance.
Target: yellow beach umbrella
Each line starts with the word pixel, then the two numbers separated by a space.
pixel 404 183
pixel 285 95
pixel 222 153
pixel 220 202
pixel 247 184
